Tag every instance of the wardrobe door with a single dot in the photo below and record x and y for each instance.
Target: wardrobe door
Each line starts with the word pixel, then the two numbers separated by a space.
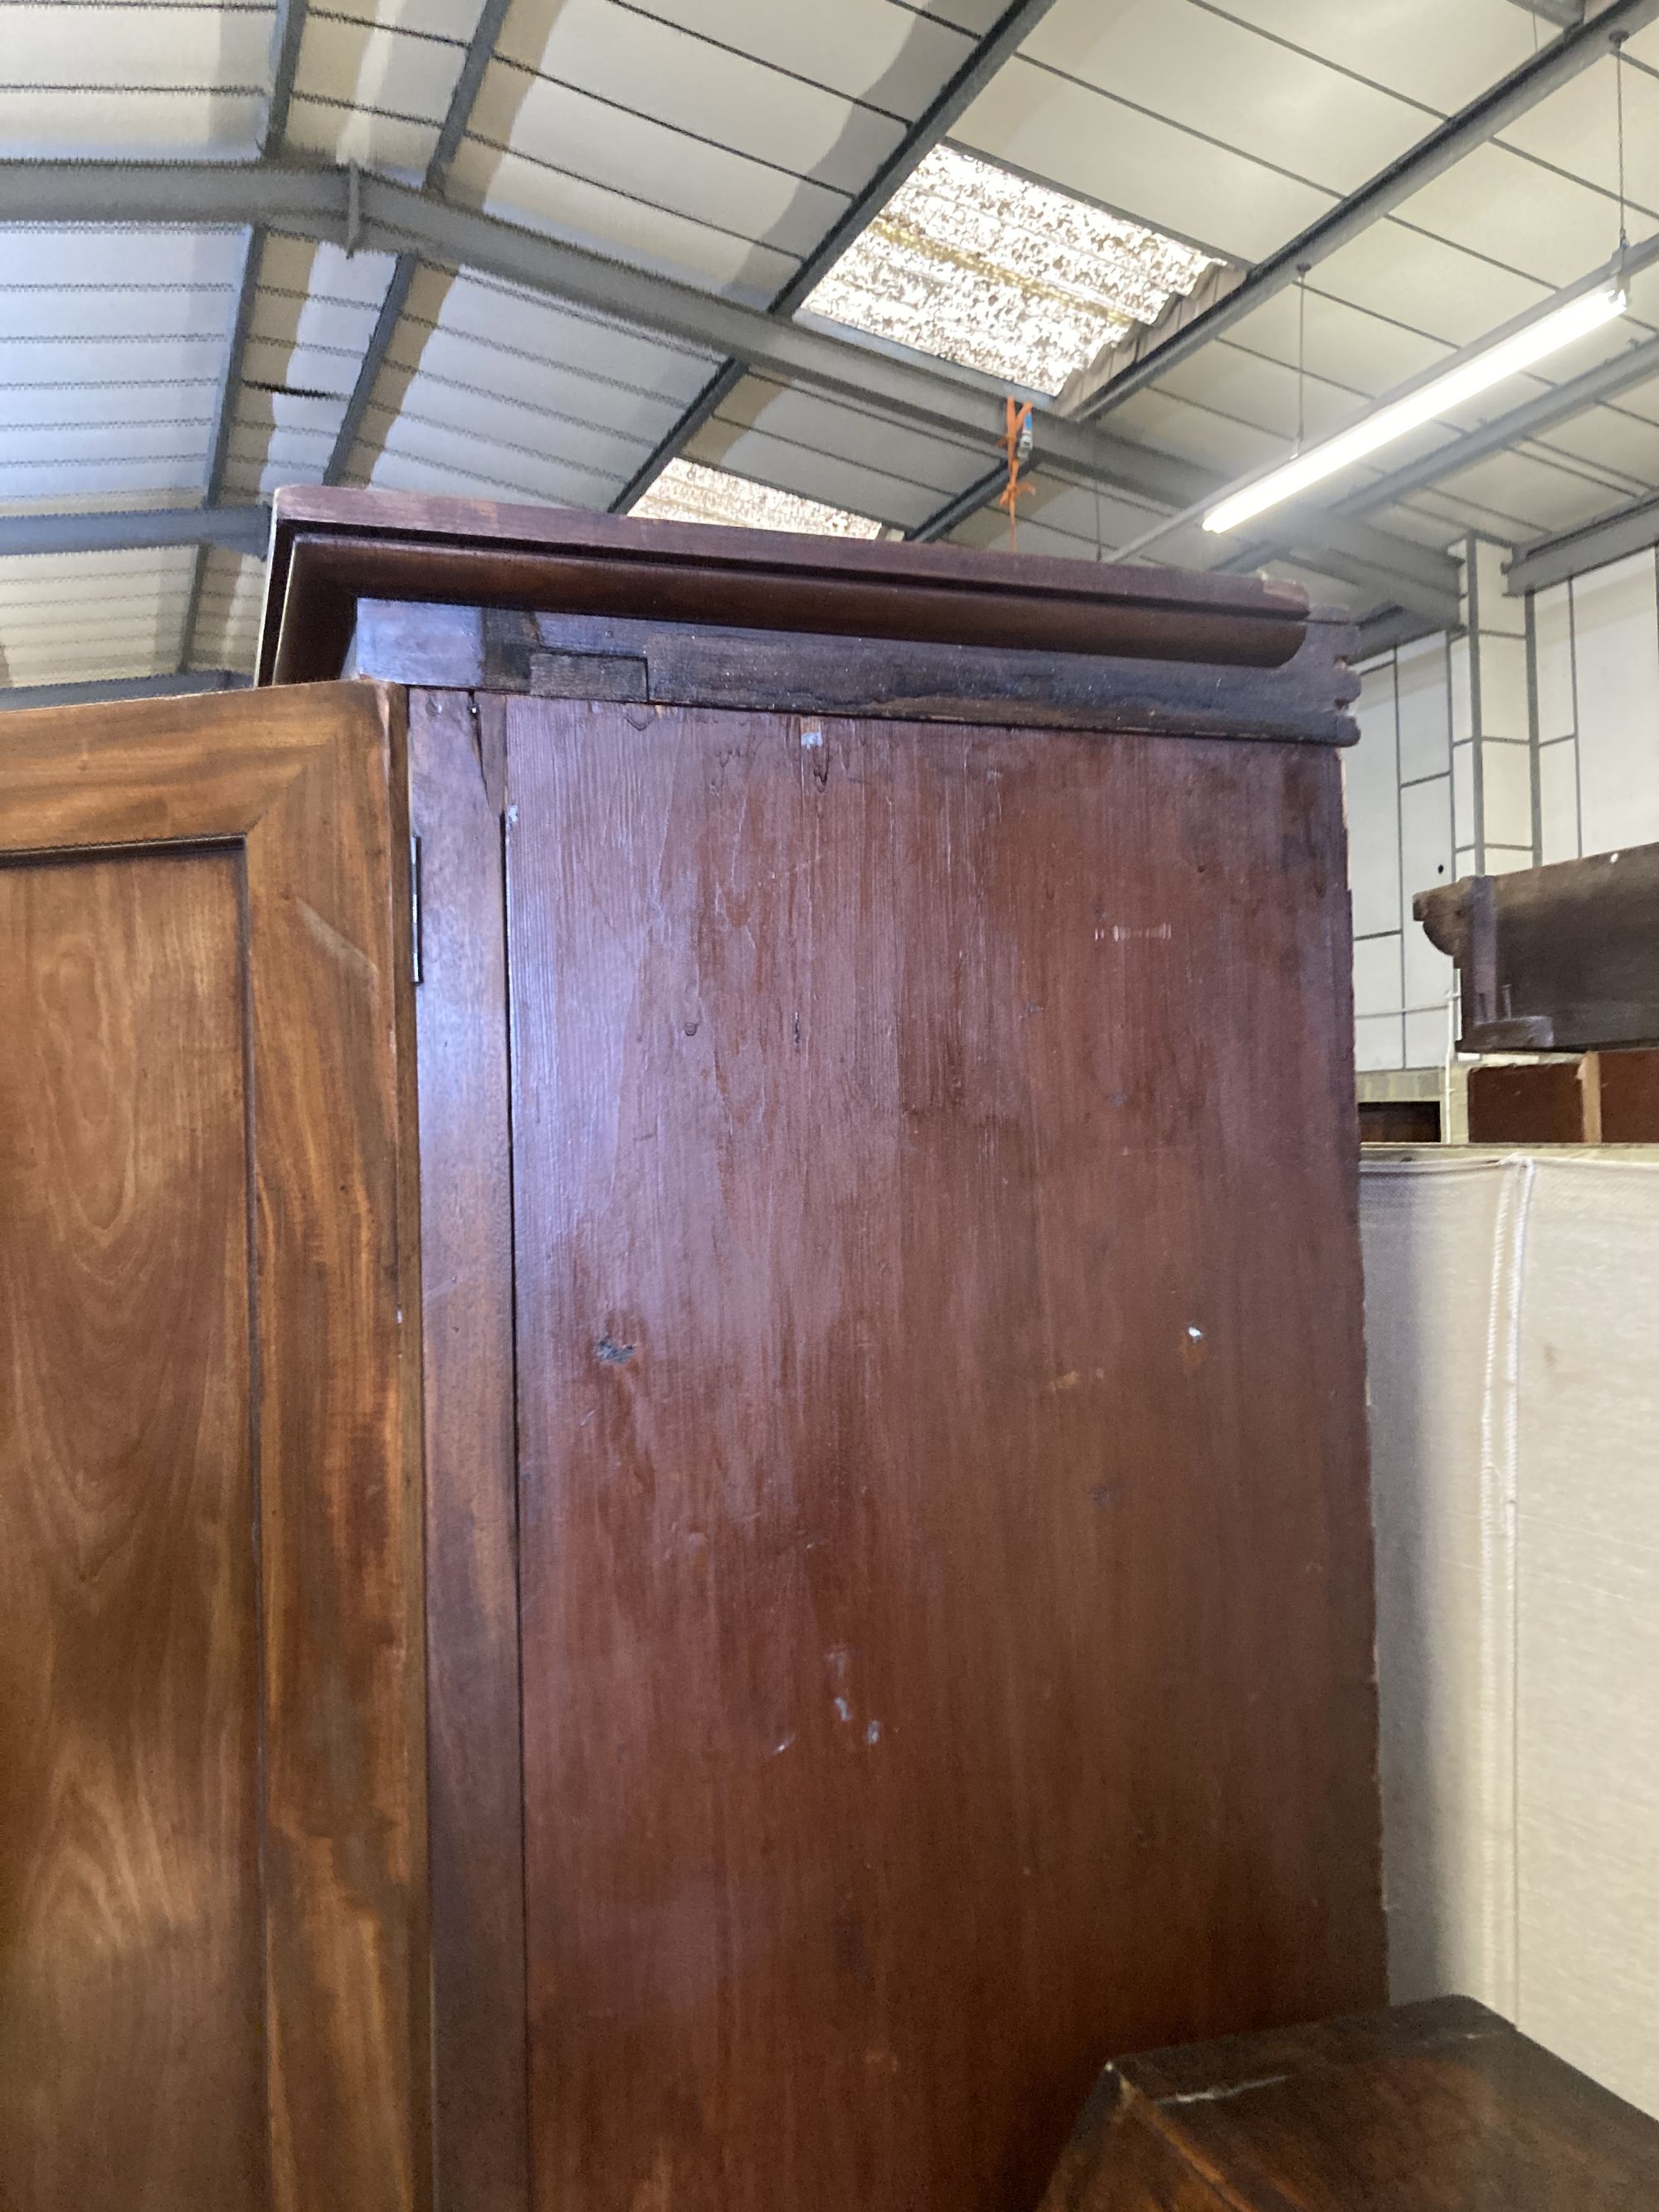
pixel 944 1542
pixel 211 1844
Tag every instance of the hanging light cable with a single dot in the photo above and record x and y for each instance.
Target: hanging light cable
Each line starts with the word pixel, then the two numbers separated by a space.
pixel 1617 42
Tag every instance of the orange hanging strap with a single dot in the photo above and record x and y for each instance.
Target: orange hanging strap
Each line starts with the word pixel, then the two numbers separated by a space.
pixel 1017 417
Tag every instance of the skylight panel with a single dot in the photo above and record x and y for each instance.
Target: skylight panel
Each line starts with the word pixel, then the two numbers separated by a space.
pixel 974 264
pixel 687 492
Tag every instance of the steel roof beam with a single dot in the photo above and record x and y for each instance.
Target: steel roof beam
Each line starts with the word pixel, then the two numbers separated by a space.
pixel 1552 560
pixel 1012 26
pixel 397 218
pixel 239 528
pixel 18 696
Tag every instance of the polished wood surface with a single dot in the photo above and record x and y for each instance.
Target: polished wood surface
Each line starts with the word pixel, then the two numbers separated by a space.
pixel 330 548
pixel 456 776
pixel 555 655
pixel 268 1118
pixel 131 1924
pixel 1544 1101
pixel 1434 2107
pixel 1627 1086
pixel 945 1570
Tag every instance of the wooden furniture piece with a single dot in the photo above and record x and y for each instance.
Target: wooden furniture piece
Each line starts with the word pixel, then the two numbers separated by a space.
pixel 1562 958
pixel 1599 1098
pixel 1440 2107
pixel 1400 1120
pixel 894 1621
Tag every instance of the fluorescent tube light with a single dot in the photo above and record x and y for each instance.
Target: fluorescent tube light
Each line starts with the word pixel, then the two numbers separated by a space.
pixel 1439 397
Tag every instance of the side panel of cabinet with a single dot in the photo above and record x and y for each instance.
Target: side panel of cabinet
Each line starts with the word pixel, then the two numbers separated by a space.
pixel 481 2148
pixel 945 1567
pixel 212 1852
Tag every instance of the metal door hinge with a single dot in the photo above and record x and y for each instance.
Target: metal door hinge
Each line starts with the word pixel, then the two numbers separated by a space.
pixel 414 902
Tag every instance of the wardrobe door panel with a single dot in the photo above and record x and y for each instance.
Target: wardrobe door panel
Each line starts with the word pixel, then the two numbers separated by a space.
pixel 212 1880
pixel 133 1960
pixel 945 1553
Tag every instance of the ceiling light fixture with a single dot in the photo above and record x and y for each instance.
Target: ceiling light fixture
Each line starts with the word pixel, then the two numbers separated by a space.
pixel 1438 397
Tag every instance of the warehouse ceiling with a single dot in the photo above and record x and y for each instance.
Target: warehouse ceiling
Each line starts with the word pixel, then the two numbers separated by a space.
pixel 781 264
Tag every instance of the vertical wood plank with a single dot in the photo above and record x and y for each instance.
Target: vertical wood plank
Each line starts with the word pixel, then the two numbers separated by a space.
pixel 131 1954
pixel 330 978
pixel 945 1544
pixel 481 2144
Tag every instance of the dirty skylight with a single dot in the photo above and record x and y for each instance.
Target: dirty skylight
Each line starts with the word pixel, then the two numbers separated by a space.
pixel 687 492
pixel 976 266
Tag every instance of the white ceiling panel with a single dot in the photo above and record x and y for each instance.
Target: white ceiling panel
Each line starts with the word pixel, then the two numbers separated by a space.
pixel 1518 215
pixel 460 377
pixel 651 161
pixel 1348 345
pixel 1548 498
pixel 536 431
pixel 831 426
pixel 202 48
pixel 402 145
pixel 141 406
pixel 226 627
pixel 61 256
pixel 391 71
pixel 101 122
pixel 58 579
pixel 124 311
pixel 890 58
pixel 53 483
pixel 549 198
pixel 1156 417
pixel 635 62
pixel 1138 165
pixel 161 80
pixel 532 331
pixel 1623 448
pixel 1257 96
pixel 449 455
pixel 1456 296
pixel 1575 131
pixel 1421 50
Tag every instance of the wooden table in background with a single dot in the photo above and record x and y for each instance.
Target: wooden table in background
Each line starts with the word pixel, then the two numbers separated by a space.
pixel 1435 2107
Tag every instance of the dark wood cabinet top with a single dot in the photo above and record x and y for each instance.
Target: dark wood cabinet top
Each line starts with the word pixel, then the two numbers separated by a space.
pixel 1441 2106
pixel 331 548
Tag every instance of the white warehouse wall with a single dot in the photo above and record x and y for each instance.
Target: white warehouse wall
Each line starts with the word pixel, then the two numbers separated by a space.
pixel 1535 736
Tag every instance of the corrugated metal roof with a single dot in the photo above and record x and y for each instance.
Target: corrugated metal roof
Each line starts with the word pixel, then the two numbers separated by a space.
pixel 721 142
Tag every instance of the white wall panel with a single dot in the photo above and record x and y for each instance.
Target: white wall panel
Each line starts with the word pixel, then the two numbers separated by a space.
pixel 1558 800
pixel 1370 777
pixel 1424 709
pixel 1616 660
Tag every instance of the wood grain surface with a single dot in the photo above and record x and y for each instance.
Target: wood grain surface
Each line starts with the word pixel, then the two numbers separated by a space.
pixel 192 1502
pixel 132 1950
pixel 331 547
pixel 1433 2107
pixel 558 655
pixel 471 1476
pixel 945 1567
